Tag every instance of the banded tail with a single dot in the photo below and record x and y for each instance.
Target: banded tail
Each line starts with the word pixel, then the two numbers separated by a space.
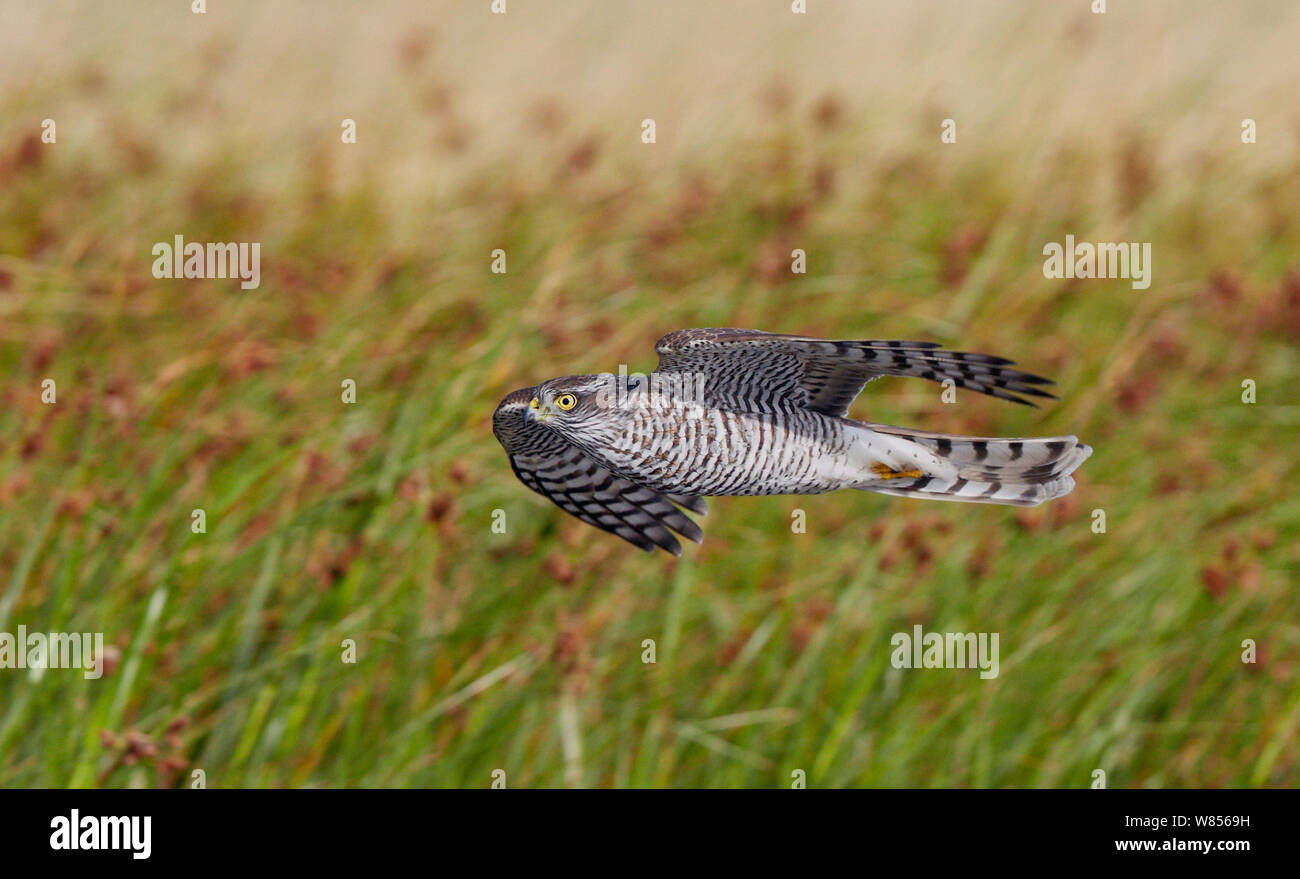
pixel 989 470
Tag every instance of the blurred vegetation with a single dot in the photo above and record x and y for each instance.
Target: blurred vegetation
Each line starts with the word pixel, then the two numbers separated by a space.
pixel 522 652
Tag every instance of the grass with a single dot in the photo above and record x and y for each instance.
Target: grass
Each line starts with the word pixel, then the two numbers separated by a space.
pixel 475 651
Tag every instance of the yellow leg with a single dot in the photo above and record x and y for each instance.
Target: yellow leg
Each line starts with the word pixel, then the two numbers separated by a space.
pixel 884 471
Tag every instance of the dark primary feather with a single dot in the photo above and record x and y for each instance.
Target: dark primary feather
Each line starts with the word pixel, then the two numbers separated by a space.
pixel 567 476
pixel 826 376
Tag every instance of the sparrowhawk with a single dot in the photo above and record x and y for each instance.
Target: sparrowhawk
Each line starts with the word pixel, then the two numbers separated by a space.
pixel 743 412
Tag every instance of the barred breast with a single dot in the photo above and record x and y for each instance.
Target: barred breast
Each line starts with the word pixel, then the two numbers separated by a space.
pixel 722 452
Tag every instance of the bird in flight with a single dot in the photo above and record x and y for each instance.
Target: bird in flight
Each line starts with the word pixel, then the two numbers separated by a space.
pixel 743 412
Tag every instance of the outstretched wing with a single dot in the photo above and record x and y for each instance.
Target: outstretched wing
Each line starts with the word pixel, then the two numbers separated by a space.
pixel 577 484
pixel 825 376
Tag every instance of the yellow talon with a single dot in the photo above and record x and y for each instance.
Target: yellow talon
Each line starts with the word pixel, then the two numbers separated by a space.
pixel 884 471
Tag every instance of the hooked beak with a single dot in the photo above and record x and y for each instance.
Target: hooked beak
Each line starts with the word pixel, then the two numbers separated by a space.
pixel 539 412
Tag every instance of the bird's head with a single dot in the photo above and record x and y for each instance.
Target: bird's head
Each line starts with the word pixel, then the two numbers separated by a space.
pixel 577 408
pixel 570 401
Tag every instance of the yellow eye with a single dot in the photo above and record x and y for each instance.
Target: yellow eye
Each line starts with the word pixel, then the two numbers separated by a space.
pixel 533 403
pixel 566 401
